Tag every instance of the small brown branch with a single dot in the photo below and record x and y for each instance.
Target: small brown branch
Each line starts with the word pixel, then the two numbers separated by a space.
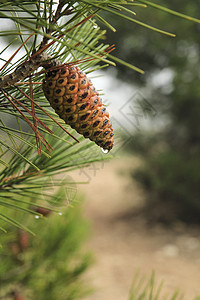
pixel 58 11
pixel 7 181
pixel 52 22
pixel 27 82
pixel 34 118
pixel 25 69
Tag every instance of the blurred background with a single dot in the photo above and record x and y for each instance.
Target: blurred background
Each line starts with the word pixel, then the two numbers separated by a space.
pixel 143 206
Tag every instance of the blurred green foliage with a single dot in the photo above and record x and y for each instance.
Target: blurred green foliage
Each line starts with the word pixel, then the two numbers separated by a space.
pixel 170 155
pixel 49 265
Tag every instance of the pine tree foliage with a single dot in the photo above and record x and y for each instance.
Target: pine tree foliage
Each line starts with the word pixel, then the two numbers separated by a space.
pixel 32 144
pixel 49 265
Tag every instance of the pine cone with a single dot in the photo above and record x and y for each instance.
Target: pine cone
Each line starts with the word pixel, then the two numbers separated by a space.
pixel 77 102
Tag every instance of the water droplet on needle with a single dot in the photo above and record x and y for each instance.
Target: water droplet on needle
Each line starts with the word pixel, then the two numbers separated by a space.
pixel 37 217
pixel 104 150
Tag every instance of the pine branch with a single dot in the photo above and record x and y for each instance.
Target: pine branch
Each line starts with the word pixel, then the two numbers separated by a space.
pixel 69 34
pixel 26 69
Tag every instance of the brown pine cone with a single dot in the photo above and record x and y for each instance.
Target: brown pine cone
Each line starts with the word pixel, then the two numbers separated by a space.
pixel 77 102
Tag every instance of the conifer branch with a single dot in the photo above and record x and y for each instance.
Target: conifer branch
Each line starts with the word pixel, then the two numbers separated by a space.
pixel 27 68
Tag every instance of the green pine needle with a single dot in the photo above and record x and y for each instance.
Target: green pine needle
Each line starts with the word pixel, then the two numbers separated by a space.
pixel 183 16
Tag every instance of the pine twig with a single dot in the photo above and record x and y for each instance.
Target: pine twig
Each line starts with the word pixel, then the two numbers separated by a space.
pixel 25 69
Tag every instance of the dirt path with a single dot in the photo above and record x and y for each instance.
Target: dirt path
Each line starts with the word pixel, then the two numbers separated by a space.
pixel 122 247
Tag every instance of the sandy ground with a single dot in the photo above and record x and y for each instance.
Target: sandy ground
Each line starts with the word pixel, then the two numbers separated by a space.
pixel 121 248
